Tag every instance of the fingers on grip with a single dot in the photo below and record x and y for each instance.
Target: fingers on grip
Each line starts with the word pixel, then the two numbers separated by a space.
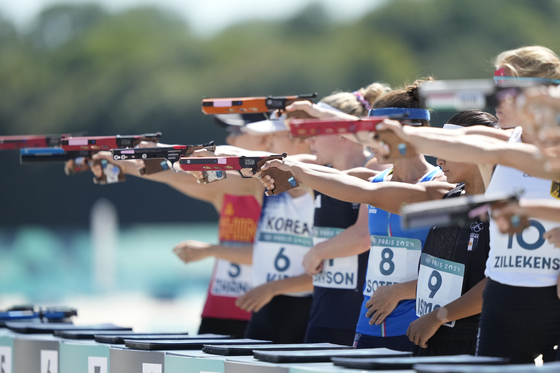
pixel 283 181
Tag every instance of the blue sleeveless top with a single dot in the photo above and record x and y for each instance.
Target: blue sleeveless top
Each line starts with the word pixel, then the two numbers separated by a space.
pixel 383 223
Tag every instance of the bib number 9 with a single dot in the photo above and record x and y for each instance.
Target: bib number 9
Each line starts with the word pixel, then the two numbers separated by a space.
pixel 434 287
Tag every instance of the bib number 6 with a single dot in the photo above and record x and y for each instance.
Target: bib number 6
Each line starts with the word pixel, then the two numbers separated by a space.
pixel 281 262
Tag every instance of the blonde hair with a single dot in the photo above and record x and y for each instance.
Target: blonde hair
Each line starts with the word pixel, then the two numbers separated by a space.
pixel 533 61
pixel 348 102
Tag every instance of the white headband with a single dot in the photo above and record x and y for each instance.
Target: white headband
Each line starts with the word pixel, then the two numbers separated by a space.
pixel 449 126
pixel 327 106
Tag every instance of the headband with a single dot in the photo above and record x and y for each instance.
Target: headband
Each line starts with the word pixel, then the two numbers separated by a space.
pixel 449 126
pixel 327 106
pixel 362 100
pixel 408 113
pixel 500 75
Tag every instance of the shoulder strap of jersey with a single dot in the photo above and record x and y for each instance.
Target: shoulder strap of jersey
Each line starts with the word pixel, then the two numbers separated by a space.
pixel 430 175
pixel 455 192
pixel 382 175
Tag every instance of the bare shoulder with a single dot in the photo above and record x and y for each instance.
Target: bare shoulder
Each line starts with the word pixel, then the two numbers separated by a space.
pixel 363 173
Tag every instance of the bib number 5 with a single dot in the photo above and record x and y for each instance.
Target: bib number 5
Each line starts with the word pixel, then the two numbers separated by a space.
pixel 234 271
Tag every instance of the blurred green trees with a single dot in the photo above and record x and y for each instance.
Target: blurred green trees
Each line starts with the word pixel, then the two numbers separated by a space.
pixel 81 68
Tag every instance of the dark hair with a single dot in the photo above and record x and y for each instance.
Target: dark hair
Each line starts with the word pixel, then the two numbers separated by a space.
pixel 469 118
pixel 404 98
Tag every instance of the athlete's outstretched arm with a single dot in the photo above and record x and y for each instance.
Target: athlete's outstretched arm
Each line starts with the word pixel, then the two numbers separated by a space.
pixel 192 251
pixel 469 304
pixel 337 184
pixel 187 184
pixel 257 298
pixel 484 147
pixel 353 240
pixel 533 208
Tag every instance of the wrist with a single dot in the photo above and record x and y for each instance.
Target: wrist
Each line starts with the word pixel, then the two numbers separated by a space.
pixel 275 288
pixel 407 133
pixel 212 250
pixel 315 253
pixel 441 315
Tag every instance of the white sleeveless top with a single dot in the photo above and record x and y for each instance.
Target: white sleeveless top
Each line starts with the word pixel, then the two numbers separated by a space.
pixel 525 259
pixel 284 236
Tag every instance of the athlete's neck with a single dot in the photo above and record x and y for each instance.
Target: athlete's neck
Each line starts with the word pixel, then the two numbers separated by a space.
pixel 475 185
pixel 353 158
pixel 410 170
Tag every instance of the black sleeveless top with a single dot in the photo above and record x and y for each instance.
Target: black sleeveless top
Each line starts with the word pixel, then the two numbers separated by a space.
pixel 452 243
pixel 337 308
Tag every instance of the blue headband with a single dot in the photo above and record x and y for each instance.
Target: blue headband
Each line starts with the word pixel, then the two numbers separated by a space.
pixel 409 113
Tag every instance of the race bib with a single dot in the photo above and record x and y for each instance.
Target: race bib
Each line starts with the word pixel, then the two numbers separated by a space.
pixel 337 273
pixel 231 279
pixel 440 282
pixel 279 256
pixel 391 260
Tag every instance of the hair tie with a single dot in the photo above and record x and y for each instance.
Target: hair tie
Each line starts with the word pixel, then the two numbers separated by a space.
pixel 362 100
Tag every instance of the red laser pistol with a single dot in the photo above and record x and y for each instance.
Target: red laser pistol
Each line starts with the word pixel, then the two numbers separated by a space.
pixel 31 141
pixel 316 127
pixel 160 155
pixel 247 105
pixel 76 152
pixel 365 126
pixel 283 180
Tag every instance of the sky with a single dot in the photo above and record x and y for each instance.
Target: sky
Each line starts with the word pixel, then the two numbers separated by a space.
pixel 206 17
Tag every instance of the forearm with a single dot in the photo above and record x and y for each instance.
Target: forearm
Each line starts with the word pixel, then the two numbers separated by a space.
pixel 240 254
pixel 292 284
pixel 388 196
pixel 405 290
pixel 541 209
pixel 352 241
pixel 233 151
pixel 468 304
pixel 332 182
pixel 459 146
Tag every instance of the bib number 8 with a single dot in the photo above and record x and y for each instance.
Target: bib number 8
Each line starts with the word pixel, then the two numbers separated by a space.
pixel 387 266
pixel 281 262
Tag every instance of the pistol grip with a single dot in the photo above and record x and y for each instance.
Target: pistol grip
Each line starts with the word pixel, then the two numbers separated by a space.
pixel 283 180
pixel 111 172
pixel 517 223
pixel 71 167
pixel 397 147
pixel 211 176
pixel 152 166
